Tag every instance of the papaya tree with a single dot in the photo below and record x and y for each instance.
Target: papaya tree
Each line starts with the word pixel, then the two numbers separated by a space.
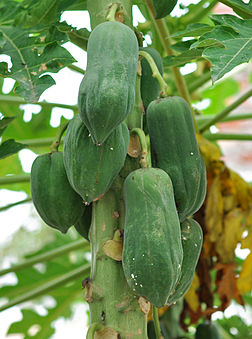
pixel 141 215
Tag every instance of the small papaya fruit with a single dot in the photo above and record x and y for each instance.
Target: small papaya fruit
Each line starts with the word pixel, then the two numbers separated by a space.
pixel 207 331
pixel 91 169
pixel 54 199
pixel 150 88
pixel 192 238
pixel 174 149
pixel 152 248
pixel 107 91
pixel 82 226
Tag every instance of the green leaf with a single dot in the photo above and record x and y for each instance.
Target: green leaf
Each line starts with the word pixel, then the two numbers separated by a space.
pixel 193 30
pixel 222 90
pixel 183 58
pixel 236 36
pixel 77 36
pixel 211 42
pixel 4 122
pixel 236 322
pixel 183 46
pixel 38 13
pixel 8 9
pixel 10 147
pixel 64 298
pixel 31 58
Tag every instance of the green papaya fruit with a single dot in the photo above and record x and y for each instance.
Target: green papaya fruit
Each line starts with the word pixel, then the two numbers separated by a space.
pixel 150 88
pixel 107 91
pixel 82 226
pixel 91 169
pixel 152 249
pixel 174 149
pixel 54 199
pixel 192 238
pixel 207 331
pixel 163 7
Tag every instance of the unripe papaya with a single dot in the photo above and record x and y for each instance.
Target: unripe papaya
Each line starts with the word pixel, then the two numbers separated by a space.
pixel 152 249
pixel 56 202
pixel 91 169
pixel 82 226
pixel 174 149
pixel 207 331
pixel 192 238
pixel 107 91
pixel 150 88
pixel 163 7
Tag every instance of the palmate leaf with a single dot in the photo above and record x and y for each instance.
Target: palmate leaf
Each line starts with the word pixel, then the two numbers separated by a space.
pixel 64 297
pixel 8 9
pixel 183 58
pixel 193 30
pixel 38 13
pixel 31 278
pixel 31 58
pixel 235 35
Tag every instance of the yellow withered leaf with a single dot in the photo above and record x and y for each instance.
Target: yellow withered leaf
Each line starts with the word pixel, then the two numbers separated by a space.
pixel 209 151
pixel 191 295
pixel 214 210
pixel 234 222
pixel 243 190
pixel 244 282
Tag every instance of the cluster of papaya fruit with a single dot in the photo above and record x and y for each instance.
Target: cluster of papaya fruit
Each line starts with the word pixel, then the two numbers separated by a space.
pixel 162 242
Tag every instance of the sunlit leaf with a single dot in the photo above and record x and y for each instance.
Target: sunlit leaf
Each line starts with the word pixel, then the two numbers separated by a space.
pixel 10 147
pixel 4 122
pixel 236 35
pixel 31 58
pixel 223 90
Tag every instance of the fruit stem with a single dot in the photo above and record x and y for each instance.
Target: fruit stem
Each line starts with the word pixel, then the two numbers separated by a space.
pixel 112 12
pixel 55 145
pixel 92 329
pixel 135 118
pixel 142 139
pixel 155 73
pixel 156 322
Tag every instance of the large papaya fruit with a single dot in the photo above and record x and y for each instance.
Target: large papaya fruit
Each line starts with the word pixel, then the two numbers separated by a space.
pixel 107 91
pixel 150 88
pixel 152 249
pixel 91 169
pixel 163 7
pixel 56 202
pixel 192 237
pixel 174 148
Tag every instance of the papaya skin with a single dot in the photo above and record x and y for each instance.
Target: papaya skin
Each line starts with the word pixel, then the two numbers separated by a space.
pixel 58 205
pixel 107 91
pixel 151 224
